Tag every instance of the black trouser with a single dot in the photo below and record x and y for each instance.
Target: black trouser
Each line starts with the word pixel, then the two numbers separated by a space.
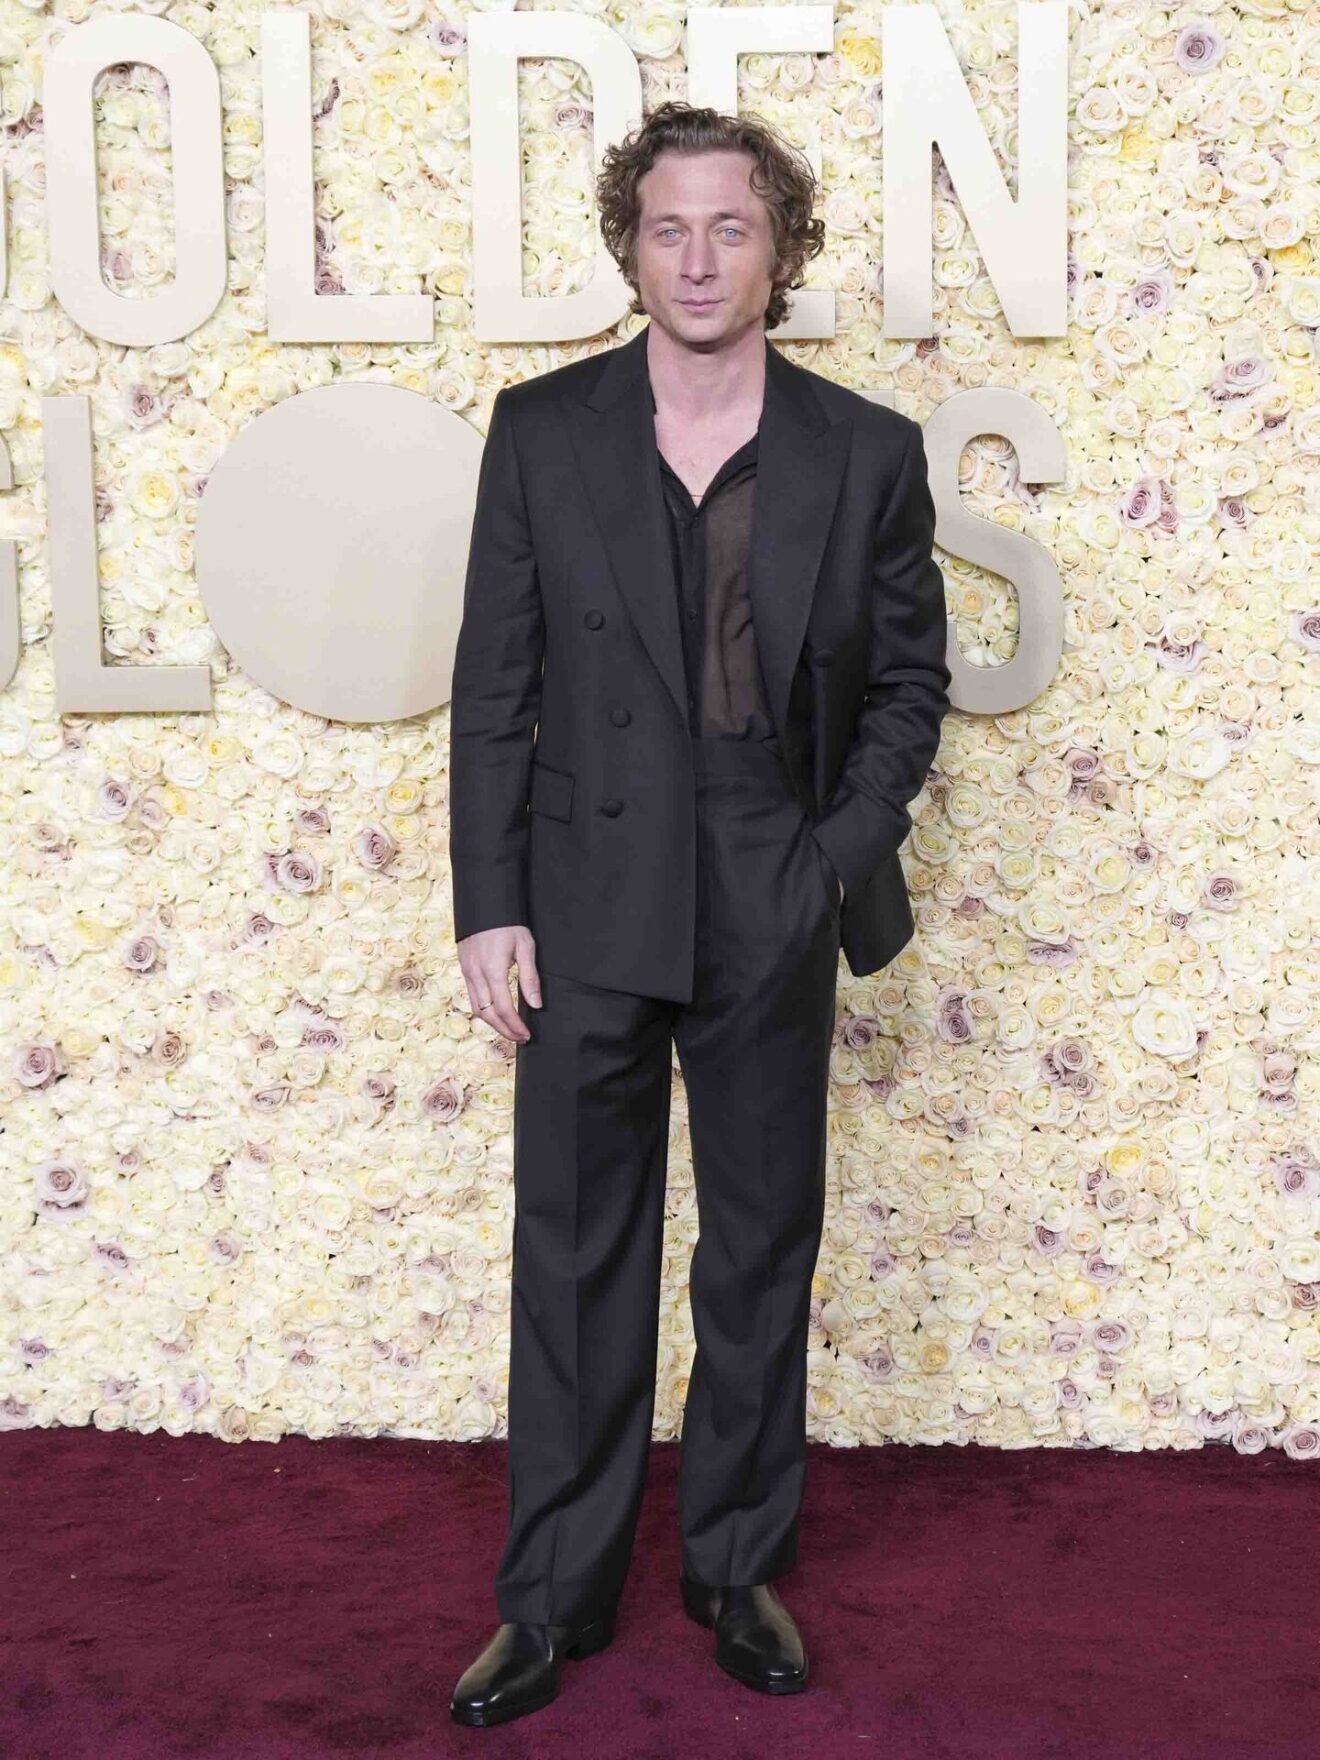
pixel 591 1117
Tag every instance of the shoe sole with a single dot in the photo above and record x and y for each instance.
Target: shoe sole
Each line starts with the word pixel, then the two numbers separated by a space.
pixel 588 1641
pixel 696 1604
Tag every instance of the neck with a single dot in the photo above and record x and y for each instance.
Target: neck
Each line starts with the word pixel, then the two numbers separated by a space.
pixel 703 384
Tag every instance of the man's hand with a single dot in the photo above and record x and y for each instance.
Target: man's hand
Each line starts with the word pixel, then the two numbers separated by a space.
pixel 485 958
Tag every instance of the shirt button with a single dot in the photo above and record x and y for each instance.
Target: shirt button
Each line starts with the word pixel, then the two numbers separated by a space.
pixel 594 619
pixel 611 808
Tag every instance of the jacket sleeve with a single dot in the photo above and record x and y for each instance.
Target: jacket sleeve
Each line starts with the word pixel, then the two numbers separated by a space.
pixel 898 730
pixel 496 696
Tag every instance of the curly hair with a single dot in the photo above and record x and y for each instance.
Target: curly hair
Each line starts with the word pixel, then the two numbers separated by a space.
pixel 780 175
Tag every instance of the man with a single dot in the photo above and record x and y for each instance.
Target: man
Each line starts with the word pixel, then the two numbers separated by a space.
pixel 701 672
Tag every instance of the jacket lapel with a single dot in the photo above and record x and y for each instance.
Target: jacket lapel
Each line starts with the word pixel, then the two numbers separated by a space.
pixel 800 457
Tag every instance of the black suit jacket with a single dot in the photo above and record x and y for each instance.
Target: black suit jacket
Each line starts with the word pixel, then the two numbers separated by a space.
pixel 571 789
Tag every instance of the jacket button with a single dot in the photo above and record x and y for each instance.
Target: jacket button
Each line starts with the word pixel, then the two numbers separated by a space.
pixel 620 717
pixel 825 657
pixel 594 619
pixel 611 808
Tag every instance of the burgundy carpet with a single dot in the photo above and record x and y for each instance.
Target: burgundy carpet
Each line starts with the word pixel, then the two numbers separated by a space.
pixel 169 1596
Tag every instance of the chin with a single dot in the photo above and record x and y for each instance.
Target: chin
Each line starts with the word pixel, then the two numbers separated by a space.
pixel 708 323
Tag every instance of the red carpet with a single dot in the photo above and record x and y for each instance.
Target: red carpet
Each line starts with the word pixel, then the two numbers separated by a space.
pixel 170 1596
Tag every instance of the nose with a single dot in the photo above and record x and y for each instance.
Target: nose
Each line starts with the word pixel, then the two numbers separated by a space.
pixel 697 264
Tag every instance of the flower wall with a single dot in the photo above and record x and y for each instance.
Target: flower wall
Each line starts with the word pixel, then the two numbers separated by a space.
pixel 255 1157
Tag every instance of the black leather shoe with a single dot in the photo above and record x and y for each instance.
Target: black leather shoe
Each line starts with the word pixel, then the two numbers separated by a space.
pixel 518 1671
pixel 756 1640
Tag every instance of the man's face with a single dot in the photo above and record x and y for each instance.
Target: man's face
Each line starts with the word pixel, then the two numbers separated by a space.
pixel 703 236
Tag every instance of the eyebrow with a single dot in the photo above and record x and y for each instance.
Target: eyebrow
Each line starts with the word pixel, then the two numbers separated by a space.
pixel 724 214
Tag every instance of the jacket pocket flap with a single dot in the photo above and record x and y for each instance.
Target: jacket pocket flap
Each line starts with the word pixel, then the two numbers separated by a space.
pixel 552 791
